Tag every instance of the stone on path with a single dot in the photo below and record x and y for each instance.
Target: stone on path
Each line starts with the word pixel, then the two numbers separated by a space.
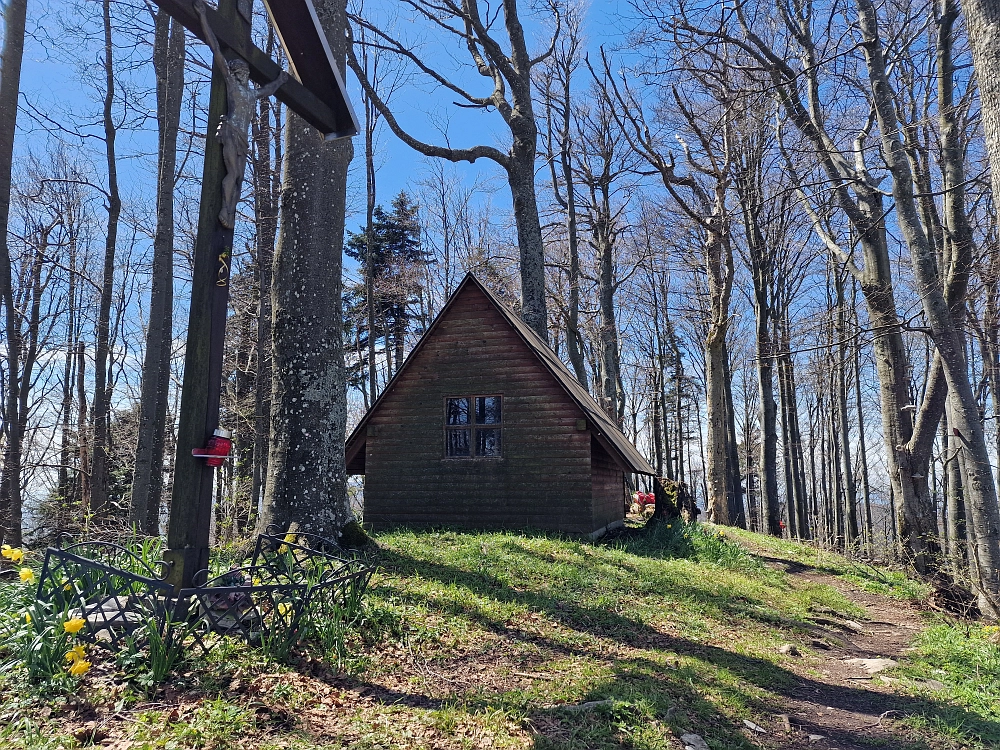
pixel 873 666
pixel 788 649
pixel 694 742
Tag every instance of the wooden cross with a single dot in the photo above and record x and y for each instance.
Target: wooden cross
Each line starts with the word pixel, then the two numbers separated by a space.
pixel 317 94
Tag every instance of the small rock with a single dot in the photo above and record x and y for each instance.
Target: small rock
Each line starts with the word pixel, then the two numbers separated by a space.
pixel 785 722
pixel 816 737
pixel 931 684
pixel 754 727
pixel 89 733
pixel 694 742
pixel 873 666
pixel 789 650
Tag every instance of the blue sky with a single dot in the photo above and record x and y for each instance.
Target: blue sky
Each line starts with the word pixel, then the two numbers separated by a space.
pixel 52 82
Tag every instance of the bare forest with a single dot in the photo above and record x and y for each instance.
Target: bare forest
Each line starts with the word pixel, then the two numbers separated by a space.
pixel 764 237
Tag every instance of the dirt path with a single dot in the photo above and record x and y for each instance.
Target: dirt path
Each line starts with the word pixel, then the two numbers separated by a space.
pixel 836 703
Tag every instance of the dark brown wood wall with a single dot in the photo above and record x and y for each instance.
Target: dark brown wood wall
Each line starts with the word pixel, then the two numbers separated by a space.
pixel 543 479
pixel 608 486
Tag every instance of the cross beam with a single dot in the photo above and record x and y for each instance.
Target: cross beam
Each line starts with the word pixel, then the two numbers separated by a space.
pixel 319 96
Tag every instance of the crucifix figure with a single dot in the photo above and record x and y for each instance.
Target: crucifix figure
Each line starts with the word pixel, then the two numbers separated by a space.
pixel 235 124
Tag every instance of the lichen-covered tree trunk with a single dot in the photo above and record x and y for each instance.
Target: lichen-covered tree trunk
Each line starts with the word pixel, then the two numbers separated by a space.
pixel 307 483
pixel 719 267
pixel 147 483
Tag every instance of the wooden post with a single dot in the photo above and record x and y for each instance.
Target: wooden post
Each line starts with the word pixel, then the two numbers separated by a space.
pixel 191 501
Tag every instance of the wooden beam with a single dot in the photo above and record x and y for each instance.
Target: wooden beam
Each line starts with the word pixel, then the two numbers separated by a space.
pixel 309 55
pixel 332 114
pixel 194 480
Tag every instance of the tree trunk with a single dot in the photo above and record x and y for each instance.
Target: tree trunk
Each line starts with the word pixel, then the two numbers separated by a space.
pixel 10 82
pixel 863 454
pixel 768 421
pixel 980 490
pixel 521 177
pixel 737 512
pixel 610 364
pixel 957 539
pixel 982 21
pixel 717 432
pixel 371 301
pixel 847 467
pixel 309 399
pixel 147 483
pixel 65 492
pixel 102 389
pixel 267 194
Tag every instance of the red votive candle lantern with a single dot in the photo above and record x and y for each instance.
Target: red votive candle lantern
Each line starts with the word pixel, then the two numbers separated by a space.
pixel 217 450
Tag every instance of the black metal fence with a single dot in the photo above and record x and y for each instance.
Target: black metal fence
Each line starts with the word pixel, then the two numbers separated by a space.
pixel 291 580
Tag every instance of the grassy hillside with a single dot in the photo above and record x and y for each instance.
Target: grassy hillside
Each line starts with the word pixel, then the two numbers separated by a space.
pixel 503 640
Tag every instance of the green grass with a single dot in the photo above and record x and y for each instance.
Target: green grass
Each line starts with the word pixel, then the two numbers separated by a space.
pixel 872 578
pixel 497 639
pixel 959 664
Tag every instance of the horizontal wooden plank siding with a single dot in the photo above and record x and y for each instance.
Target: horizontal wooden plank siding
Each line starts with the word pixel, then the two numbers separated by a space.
pixel 543 479
pixel 608 484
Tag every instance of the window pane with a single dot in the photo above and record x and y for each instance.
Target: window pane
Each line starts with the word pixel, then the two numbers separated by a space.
pixel 487 442
pixel 456 443
pixel 458 411
pixel 487 410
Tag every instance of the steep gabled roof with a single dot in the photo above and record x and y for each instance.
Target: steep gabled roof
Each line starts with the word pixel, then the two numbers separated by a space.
pixel 604 430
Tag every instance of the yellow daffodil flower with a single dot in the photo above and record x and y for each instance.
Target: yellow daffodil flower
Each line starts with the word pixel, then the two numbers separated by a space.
pixel 76 653
pixel 282 549
pixel 75 625
pixel 284 608
pixel 16 556
pixel 79 667
pixel 27 575
pixel 5 550
pixel 290 538
pixel 27 618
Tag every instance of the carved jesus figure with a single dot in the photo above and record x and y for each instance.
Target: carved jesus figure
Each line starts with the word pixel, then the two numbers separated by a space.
pixel 235 124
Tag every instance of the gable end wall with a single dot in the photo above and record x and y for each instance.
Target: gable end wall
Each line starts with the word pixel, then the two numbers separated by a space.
pixel 543 479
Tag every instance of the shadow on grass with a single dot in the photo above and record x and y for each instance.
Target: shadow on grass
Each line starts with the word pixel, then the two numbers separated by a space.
pixel 646 695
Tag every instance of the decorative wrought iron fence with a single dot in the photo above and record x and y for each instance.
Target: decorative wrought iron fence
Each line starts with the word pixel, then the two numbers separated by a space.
pixel 291 578
pixel 110 588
